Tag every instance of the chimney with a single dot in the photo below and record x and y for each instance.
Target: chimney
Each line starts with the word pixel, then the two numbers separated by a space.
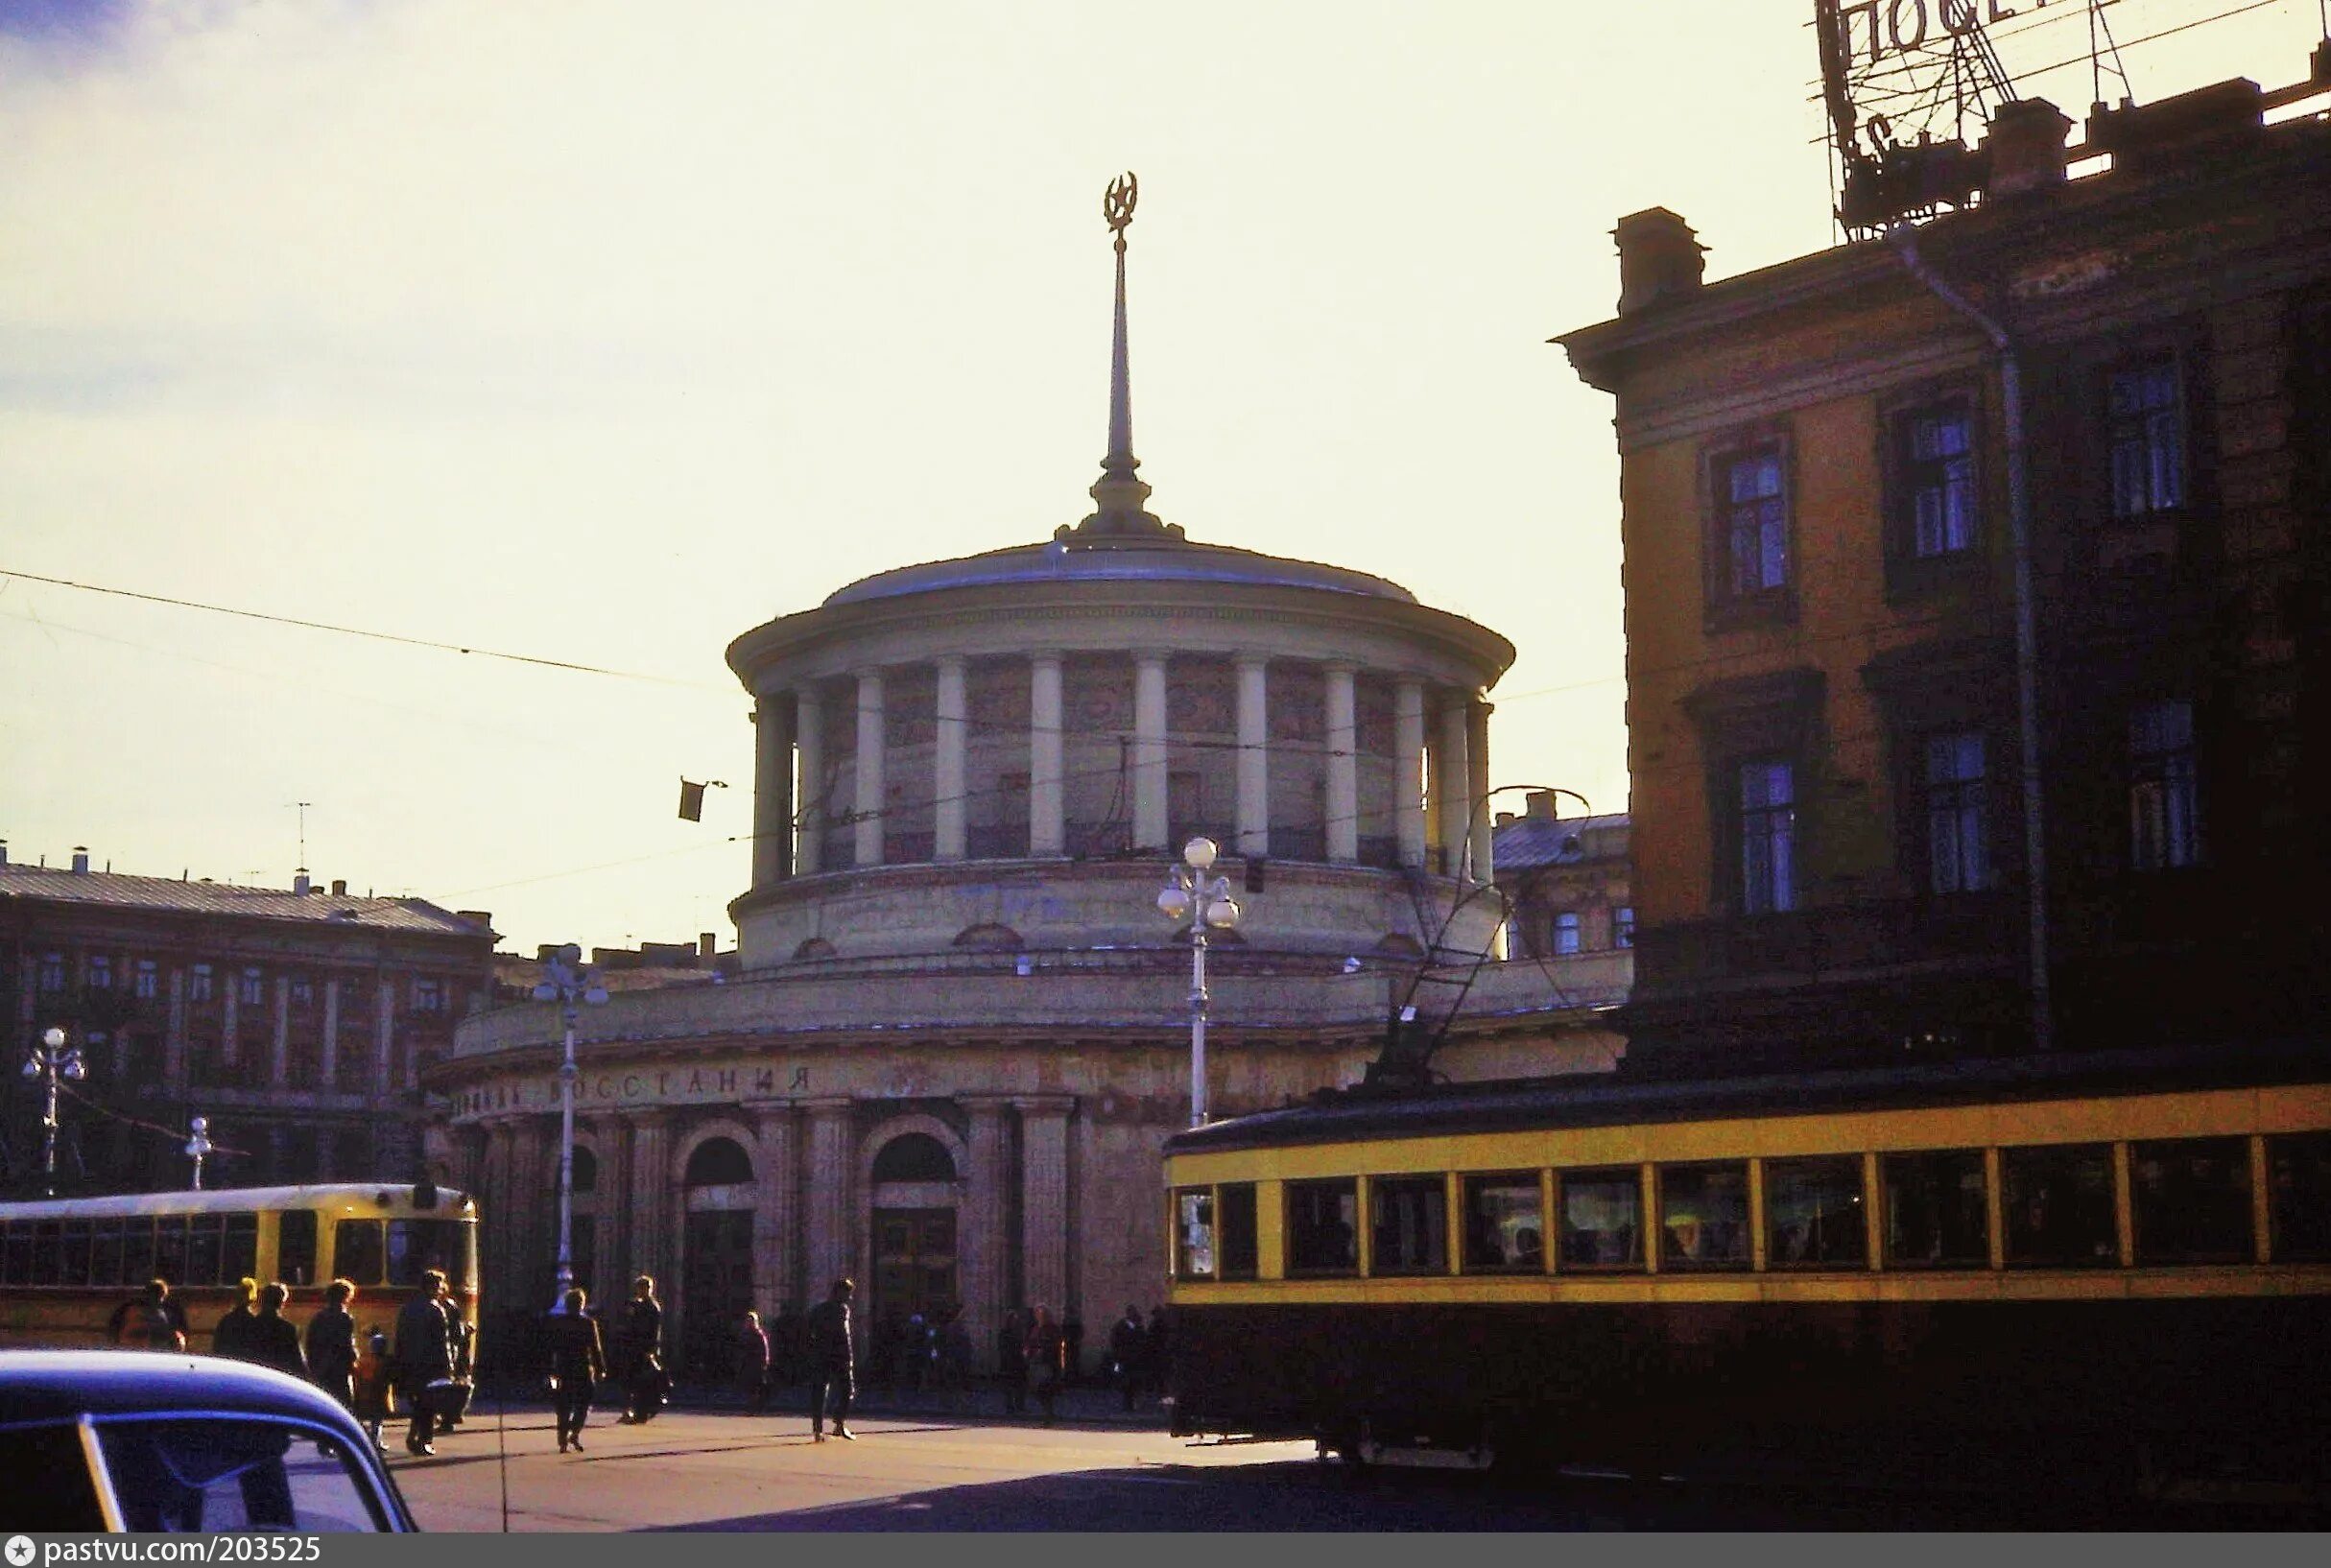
pixel 80 860
pixel 1659 258
pixel 483 919
pixel 1541 805
pixel 300 881
pixel 547 951
pixel 340 888
pixel 707 944
pixel 2223 120
pixel 3 851
pixel 2025 147
pixel 1507 818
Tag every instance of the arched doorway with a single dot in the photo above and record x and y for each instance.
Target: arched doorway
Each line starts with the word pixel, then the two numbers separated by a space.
pixel 716 1255
pixel 913 1255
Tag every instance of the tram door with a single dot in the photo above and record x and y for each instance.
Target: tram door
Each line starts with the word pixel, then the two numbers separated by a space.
pixel 717 1279
pixel 913 1263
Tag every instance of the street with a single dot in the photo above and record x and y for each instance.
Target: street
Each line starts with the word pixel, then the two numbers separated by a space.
pixel 723 1470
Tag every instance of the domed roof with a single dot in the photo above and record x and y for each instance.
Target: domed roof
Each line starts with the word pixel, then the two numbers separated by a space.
pixel 1157 557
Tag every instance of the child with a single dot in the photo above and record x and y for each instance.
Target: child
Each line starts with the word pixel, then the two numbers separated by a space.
pixel 372 1373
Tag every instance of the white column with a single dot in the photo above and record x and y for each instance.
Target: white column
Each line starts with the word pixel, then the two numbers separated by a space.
pixel 773 789
pixel 1453 783
pixel 868 806
pixel 1408 770
pixel 1343 767
pixel 809 760
pixel 1047 800
pixel 947 776
pixel 1148 751
pixel 1476 787
pixel 1253 757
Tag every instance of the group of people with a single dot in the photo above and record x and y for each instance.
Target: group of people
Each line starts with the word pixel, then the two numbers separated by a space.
pixel 581 1359
pixel 426 1367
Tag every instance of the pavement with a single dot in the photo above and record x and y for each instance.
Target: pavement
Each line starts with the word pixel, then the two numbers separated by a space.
pixel 1078 1405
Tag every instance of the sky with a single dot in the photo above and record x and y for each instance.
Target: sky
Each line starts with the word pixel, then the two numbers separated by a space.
pixel 601 333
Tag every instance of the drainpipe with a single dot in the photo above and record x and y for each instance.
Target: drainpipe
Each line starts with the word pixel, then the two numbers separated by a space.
pixel 2027 649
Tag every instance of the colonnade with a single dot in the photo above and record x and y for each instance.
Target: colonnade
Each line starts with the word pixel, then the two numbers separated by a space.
pixel 1446 727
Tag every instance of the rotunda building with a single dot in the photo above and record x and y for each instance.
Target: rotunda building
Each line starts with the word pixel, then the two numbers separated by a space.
pixel 962 1030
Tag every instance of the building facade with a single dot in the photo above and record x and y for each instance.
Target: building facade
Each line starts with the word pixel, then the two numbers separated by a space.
pixel 297 1021
pixel 1976 581
pixel 1566 879
pixel 961 1028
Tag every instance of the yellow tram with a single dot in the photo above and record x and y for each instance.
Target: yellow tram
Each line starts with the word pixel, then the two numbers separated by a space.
pixel 2116 1267
pixel 66 1265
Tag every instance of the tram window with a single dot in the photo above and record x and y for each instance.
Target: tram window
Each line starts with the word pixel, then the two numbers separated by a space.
pixel 137 1250
pixel 170 1249
pixel 415 1246
pixel 295 1246
pixel 1602 1219
pixel 105 1253
pixel 16 1254
pixel 1504 1223
pixel 240 1257
pixel 1410 1216
pixel 205 1234
pixel 2058 1205
pixel 1935 1213
pixel 73 1268
pixel 357 1255
pixel 2298 1184
pixel 1323 1227
pixel 2191 1201
pixel 48 1245
pixel 1814 1214
pixel 1703 1216
pixel 1238 1248
pixel 1193 1232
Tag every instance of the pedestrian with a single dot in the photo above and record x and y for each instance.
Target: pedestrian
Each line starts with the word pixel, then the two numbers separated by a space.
pixel 1071 1336
pixel 331 1343
pixel 424 1355
pixel 1125 1350
pixel 1011 1362
pixel 232 1337
pixel 464 1347
pixel 374 1374
pixel 144 1322
pixel 753 1362
pixel 578 1364
pixel 274 1342
pixel 832 1372
pixel 642 1339
pixel 1047 1359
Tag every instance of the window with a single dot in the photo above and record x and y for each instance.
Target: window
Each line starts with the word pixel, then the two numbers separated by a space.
pixel 2299 1192
pixel 105 1254
pixel 1768 837
pixel 1194 1233
pixel 101 972
pixel 205 1239
pixel 2164 812
pixel 199 983
pixel 137 1250
pixel 147 983
pixel 357 1255
pixel 1602 1219
pixel 253 988
pixel 2058 1205
pixel 303 991
pixel 1504 1223
pixel 1410 1216
pixel 295 1246
pixel 170 1249
pixel 52 971
pixel 1935 458
pixel 49 1479
pixel 222 1473
pixel 416 1245
pixel 1566 932
pixel 2189 1200
pixel 428 995
pixel 1957 832
pixel 1813 1218
pixel 1322 1230
pixel 2146 428
pixel 1240 1249
pixel 1622 926
pixel 1752 525
pixel 1703 1216
pixel 1935 1213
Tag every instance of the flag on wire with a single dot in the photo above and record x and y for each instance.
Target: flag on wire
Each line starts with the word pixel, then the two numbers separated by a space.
pixel 692 798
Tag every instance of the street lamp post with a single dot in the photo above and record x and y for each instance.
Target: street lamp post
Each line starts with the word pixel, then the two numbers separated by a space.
pixel 52 1060
pixel 1205 902
pixel 570 983
pixel 198 1145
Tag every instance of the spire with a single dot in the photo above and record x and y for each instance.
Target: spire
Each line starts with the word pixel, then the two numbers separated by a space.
pixel 1120 493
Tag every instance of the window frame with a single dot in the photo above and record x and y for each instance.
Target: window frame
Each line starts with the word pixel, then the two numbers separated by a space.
pixel 1781 889
pixel 2157 770
pixel 1888 1256
pixel 1289 1193
pixel 2009 1157
pixel 1470 1181
pixel 1427 1186
pixel 1663 1172
pixel 1727 606
pixel 1965 798
pixel 2142 362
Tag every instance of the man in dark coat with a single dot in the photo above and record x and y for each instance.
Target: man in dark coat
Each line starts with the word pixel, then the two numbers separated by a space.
pixel 424 1355
pixel 832 1356
pixel 232 1337
pixel 331 1343
pixel 274 1342
pixel 641 1339
pixel 752 1361
pixel 1126 1351
pixel 578 1363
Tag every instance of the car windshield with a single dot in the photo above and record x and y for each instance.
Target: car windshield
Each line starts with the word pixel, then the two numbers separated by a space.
pixel 207 1473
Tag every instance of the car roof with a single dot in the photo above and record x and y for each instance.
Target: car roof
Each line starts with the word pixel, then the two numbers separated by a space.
pixel 60 1385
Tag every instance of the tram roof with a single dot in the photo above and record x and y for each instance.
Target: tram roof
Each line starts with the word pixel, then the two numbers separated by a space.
pixel 451 1205
pixel 1581 1100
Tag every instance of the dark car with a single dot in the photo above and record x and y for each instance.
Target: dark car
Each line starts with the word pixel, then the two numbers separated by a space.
pixel 135 1440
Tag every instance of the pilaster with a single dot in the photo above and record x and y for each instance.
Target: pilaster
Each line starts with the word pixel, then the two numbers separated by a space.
pixel 947 774
pixel 1044 1198
pixel 868 807
pixel 1253 757
pixel 833 1249
pixel 1408 770
pixel 985 1242
pixel 1342 765
pixel 776 1255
